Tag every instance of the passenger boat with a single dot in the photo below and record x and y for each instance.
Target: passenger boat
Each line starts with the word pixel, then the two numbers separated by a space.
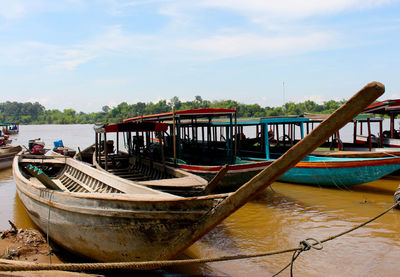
pixel 106 218
pixel 391 108
pixel 363 138
pixel 139 168
pixel 11 128
pixel 204 146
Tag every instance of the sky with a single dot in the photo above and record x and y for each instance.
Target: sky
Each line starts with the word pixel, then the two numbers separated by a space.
pixel 88 54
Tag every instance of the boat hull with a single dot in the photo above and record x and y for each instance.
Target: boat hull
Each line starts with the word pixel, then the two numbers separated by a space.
pixel 316 171
pixel 391 142
pixel 117 227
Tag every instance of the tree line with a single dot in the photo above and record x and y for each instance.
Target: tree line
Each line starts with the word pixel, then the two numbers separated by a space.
pixel 35 113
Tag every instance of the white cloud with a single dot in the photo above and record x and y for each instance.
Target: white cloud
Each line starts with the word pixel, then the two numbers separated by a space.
pixel 19 8
pixel 223 46
pixel 182 39
pixel 319 99
pixel 42 100
pixel 292 9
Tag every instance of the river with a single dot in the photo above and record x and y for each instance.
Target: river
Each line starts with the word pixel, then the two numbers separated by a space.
pixel 278 219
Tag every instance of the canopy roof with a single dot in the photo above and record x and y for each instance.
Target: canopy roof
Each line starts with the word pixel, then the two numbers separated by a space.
pixel 192 113
pixel 9 123
pixel 360 117
pixel 384 107
pixel 147 126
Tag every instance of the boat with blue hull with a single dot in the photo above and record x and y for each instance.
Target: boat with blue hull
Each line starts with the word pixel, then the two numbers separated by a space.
pixel 324 171
pixel 205 141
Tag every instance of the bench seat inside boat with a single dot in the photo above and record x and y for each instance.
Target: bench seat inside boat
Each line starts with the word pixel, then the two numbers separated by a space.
pixel 188 181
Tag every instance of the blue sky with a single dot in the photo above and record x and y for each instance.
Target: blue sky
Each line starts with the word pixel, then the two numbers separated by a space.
pixel 86 54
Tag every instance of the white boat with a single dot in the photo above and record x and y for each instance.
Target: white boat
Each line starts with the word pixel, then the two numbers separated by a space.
pixel 101 216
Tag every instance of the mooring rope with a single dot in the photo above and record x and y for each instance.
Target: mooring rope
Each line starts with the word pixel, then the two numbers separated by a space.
pixel 48 228
pixel 149 265
pixel 302 248
pixel 305 245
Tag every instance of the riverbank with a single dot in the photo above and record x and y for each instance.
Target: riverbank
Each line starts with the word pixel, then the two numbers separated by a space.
pixel 29 246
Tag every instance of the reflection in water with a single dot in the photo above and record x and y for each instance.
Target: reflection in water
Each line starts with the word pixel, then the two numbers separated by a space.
pixel 277 219
pixel 21 217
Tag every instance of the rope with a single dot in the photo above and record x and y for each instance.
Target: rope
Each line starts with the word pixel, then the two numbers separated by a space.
pixel 149 265
pixel 318 244
pixel 48 227
pixel 304 246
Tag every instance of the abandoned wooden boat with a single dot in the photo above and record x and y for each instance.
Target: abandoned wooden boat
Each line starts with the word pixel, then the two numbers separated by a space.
pixel 98 215
pixel 89 206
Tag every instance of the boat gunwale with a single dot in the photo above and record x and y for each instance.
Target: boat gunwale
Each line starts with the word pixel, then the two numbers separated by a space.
pixel 125 197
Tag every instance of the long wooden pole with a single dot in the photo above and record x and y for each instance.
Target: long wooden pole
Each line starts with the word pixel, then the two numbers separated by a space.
pixel 294 155
pixel 174 135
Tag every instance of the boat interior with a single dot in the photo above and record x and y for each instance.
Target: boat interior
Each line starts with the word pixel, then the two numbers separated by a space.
pixel 52 172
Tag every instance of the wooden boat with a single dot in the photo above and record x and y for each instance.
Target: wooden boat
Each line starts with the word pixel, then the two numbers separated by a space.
pixel 138 168
pixel 95 214
pixel 7 154
pixel 89 206
pixel 247 156
pixel 63 150
pixel 363 138
pixel 11 128
pixel 7 151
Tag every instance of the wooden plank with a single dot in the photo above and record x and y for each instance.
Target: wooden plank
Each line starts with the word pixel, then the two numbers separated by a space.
pixel 79 182
pixel 60 184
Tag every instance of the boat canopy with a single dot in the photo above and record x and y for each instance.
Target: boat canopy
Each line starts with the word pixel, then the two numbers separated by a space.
pixel 146 126
pixel 384 107
pixel 191 113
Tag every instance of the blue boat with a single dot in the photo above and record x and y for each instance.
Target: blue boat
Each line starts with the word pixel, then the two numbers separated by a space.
pixel 205 142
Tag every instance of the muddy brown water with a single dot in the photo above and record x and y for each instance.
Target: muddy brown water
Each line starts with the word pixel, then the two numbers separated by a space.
pixel 279 218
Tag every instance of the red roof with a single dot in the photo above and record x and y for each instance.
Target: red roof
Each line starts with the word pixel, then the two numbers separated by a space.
pixel 384 107
pixel 184 113
pixel 134 127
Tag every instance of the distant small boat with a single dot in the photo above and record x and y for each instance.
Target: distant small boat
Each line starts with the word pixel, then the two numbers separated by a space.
pixel 10 128
pixel 7 154
pixel 7 151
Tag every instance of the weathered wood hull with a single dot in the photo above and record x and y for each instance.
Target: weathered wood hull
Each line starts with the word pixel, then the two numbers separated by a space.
pixel 112 226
